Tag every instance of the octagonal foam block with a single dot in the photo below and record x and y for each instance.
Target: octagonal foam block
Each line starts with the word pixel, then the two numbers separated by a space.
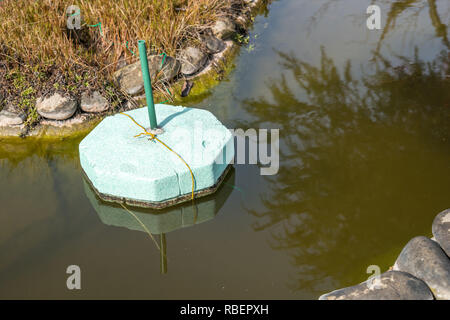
pixel 134 170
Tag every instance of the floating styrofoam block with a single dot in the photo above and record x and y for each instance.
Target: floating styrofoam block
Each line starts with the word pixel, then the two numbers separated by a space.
pixel 121 166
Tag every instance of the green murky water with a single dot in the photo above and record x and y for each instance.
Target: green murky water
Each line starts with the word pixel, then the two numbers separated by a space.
pixel 364 119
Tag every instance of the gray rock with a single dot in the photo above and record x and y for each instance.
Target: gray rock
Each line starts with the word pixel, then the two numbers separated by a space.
pixel 252 3
pixel 12 131
pixel 223 28
pixel 192 60
pixel 425 259
pixel 165 71
pixel 213 44
pixel 8 118
pixel 93 102
pixel 392 285
pixel 243 19
pixel 130 79
pixel 441 230
pixel 56 107
pixel 121 63
pixel 161 68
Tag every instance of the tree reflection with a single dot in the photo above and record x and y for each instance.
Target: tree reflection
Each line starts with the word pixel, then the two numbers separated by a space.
pixel 399 8
pixel 407 9
pixel 349 152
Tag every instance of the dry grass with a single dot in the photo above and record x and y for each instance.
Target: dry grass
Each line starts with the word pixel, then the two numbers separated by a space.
pixel 38 54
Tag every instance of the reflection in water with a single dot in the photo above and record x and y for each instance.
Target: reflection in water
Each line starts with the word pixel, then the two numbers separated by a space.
pixel 37 188
pixel 17 150
pixel 333 181
pixel 160 222
pixel 414 7
pixel 410 10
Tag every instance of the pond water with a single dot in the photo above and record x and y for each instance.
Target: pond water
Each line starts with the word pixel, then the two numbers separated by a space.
pixel 364 119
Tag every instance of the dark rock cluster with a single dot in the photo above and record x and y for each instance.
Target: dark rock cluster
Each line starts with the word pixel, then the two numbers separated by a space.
pixel 421 271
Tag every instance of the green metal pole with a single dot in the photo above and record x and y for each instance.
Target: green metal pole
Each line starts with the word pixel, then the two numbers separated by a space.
pixel 147 84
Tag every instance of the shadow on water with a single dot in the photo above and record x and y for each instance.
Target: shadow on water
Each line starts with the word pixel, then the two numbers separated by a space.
pixel 160 222
pixel 348 163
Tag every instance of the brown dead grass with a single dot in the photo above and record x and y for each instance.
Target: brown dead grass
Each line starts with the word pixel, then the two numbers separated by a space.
pixel 39 55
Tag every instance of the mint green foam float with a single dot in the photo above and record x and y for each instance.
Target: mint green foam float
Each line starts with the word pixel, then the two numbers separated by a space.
pixel 188 157
pixel 142 172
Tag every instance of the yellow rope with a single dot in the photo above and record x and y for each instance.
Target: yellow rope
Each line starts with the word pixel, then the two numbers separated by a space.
pixel 153 137
pixel 145 229
pixel 143 225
